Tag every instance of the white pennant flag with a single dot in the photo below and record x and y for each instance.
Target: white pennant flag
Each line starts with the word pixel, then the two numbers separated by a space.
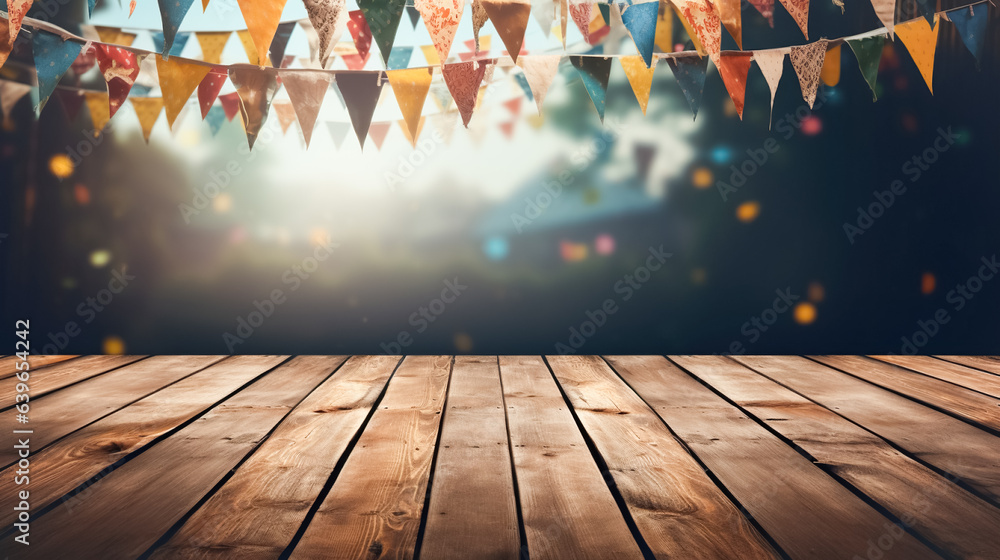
pixel 771 63
pixel 539 70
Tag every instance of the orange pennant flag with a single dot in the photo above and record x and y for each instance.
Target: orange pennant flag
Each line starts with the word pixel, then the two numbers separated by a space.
pixel 286 114
pixel 410 88
pixel 639 77
pixel 204 5
pixel 510 18
pixel 664 38
pixel 406 131
pixel 148 110
pixel 377 132
pixel 441 18
pixel 212 44
pixel 100 110
pixel 262 18
pixel 921 42
pixel 16 10
pixel 178 80
pixel 729 13
pixel 799 10
pixel 702 23
pixel 831 67
pixel 734 68
pixel 248 46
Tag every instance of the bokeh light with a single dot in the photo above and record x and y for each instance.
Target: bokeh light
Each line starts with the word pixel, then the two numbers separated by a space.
pixel 927 283
pixel 748 211
pixel 805 313
pixel 812 125
pixel 100 258
pixel 222 203
pixel 463 342
pixel 721 154
pixel 604 244
pixel 496 248
pixel 816 293
pixel 702 178
pixel 113 345
pixel 61 166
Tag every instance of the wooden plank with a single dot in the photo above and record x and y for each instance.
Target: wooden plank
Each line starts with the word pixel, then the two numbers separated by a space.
pixel 980 409
pixel 938 439
pixel 60 375
pixel 946 371
pixel 947 515
pixel 73 460
pixel 258 511
pixel 472 511
pixel 989 364
pixel 677 508
pixel 8 364
pixel 125 512
pixel 564 496
pixel 805 511
pixel 65 411
pixel 373 509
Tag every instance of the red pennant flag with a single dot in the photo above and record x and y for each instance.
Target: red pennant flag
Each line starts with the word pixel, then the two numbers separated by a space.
pixel 120 68
pixel 378 131
pixel 209 89
pixel 230 104
pixel 463 80
pixel 362 34
pixel 734 68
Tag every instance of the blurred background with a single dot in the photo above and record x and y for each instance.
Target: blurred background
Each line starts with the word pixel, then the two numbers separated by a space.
pixel 472 209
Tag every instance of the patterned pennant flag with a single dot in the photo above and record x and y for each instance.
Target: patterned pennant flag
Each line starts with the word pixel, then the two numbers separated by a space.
pixel 594 71
pixel 16 10
pixel 920 39
pixel 6 45
pixel 640 20
pixel 733 67
pixel 702 22
pixel 212 44
pixel 539 71
pixel 510 18
pixel 360 91
pixel 306 90
pixel 772 64
pixel 581 12
pixel 10 94
pixel 400 58
pixel 209 88
pixel 172 13
pixel 383 19
pixel 328 17
pixel 178 80
pixel 410 88
pixel 799 10
pixel 256 88
pixel 808 62
pixel 362 35
pixel 479 19
pixel 53 57
pixel 639 77
pixel 729 13
pixel 148 110
pixel 441 18
pixel 690 71
pixel 971 25
pixel 261 17
pixel 120 68
pixel 463 80
pixel 114 36
pixel 280 42
pixel 766 9
pixel 99 107
pixel 868 51
pixel 830 74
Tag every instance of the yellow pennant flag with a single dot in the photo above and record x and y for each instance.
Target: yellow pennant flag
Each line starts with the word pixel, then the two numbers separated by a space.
pixel 431 54
pixel 178 79
pixel 921 42
pixel 410 88
pixel 114 36
pixel 406 130
pixel 148 110
pixel 100 110
pixel 212 44
pixel 248 46
pixel 664 28
pixel 204 5
pixel 830 74
pixel 639 77
pixel 262 18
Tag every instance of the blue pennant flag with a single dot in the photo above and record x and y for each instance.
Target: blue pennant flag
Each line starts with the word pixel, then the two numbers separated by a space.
pixel 177 45
pixel 215 118
pixel 53 57
pixel 399 58
pixel 689 71
pixel 172 13
pixel 971 27
pixel 594 71
pixel 522 81
pixel 640 20
pixel 90 7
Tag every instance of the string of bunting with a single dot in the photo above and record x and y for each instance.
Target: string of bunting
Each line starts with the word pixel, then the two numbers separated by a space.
pixel 55 50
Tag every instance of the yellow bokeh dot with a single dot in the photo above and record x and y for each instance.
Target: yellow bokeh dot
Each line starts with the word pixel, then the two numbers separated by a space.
pixel 100 258
pixel 319 236
pixel 463 342
pixel 114 345
pixel 61 166
pixel 222 203
pixel 816 292
pixel 702 178
pixel 748 211
pixel 805 313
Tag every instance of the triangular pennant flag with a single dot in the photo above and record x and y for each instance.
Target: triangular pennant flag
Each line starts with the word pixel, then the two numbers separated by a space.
pixel 262 17
pixel 921 42
pixel 410 88
pixel 256 88
pixel 441 96
pixel 53 57
pixel 204 6
pixel 430 55
pixel 6 45
pixel 508 128
pixel 91 4
pixel 147 109
pixel 690 71
pixel 510 18
pixel 209 88
pixel 178 79
pixel 160 42
pixel 338 131
pixel 514 105
pixel 926 7
pixel 729 14
pixel 406 132
pixel 664 37
pixel 640 20
pixel 772 64
pixel 215 118
pixel 16 10
pixel 120 68
pixel 71 101
pixel 544 12
pixel 766 9
pixel 885 10
pixel 286 114
pixel 441 18
pixel 328 17
pixel 97 104
pixel 400 58
pixel 212 44
pixel 360 32
pixel 131 7
pixel 463 80
pixel 594 71
pixel 378 131
pixel 230 104
pixel 799 10
pixel 10 94
pixel 525 86
pixel 639 77
pixel 868 51
pixel 971 25
pixel 383 19
pixel 539 71
pixel 808 62
pixel 172 13
pixel 733 67
pixel 479 19
pixel 280 42
pixel 360 91
pixel 563 17
pixel 414 15
pixel 306 90
pixel 114 36
pixel 248 47
pixel 582 12
pixel 830 74
pixel 605 11
pixel 703 23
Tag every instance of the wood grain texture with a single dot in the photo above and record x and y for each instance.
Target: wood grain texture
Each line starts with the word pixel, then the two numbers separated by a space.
pixel 8 364
pixel 676 506
pixel 144 497
pixel 936 438
pixel 566 507
pixel 62 374
pixel 472 511
pixel 67 463
pixel 946 371
pixel 258 511
pixel 62 412
pixel 974 407
pixel 990 364
pixel 934 506
pixel 373 509
pixel 805 511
